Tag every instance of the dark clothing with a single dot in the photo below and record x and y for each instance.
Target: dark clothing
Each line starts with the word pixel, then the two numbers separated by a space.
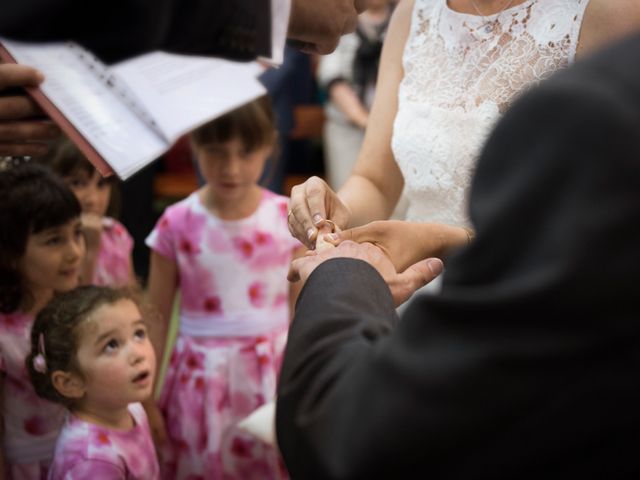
pixel 526 364
pixel 113 30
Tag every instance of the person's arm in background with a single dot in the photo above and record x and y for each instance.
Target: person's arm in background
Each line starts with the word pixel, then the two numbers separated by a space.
pixel 23 130
pixel 347 101
pixel 334 75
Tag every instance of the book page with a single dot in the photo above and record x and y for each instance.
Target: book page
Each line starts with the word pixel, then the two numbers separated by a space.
pixel 183 92
pixel 78 86
pixel 280 11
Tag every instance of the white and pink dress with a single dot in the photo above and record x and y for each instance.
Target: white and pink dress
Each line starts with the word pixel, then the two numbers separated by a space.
pixel 31 424
pixel 234 315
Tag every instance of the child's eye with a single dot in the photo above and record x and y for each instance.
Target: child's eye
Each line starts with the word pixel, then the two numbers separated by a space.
pixel 76 183
pixel 103 183
pixel 141 333
pixel 55 240
pixel 111 346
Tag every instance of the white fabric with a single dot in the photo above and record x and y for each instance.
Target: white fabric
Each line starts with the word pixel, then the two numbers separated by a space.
pixel 458 78
pixel 234 323
pixel 261 423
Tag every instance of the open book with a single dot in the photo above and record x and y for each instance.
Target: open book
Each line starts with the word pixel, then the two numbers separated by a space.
pixel 124 116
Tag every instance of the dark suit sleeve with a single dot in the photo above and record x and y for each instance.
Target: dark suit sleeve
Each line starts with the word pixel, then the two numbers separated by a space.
pixel 116 29
pixel 357 402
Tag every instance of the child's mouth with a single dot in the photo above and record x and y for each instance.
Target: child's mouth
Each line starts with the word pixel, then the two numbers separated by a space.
pixel 141 377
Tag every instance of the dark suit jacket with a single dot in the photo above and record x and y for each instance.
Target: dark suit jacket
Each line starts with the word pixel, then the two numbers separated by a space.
pixel 116 29
pixel 527 364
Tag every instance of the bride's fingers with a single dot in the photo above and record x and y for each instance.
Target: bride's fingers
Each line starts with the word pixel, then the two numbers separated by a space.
pixel 299 219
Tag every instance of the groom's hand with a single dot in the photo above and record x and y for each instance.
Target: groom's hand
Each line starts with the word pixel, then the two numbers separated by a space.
pixel 402 285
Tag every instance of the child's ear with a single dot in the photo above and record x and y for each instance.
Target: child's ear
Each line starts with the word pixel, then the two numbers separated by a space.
pixel 68 384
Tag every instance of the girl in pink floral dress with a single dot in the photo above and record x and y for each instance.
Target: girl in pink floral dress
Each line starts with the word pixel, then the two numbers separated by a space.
pixel 41 249
pixel 109 244
pixel 227 248
pixel 90 352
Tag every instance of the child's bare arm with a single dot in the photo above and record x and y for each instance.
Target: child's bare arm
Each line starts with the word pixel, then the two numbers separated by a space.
pixel 163 282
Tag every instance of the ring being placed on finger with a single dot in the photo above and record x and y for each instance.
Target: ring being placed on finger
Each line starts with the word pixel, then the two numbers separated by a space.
pixel 334 227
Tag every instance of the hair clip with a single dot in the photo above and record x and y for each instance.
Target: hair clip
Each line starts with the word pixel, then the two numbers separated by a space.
pixel 7 163
pixel 39 362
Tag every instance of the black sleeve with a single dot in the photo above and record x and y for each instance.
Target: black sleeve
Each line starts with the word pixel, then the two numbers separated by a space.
pixel 116 29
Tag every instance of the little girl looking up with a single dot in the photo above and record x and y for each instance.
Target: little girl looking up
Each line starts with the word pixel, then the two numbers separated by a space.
pixel 109 244
pixel 227 248
pixel 41 249
pixel 90 352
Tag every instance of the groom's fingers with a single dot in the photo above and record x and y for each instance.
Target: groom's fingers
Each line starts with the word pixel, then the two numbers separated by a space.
pixel 415 277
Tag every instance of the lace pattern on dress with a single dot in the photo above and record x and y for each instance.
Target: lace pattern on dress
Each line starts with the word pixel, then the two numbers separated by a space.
pixel 458 78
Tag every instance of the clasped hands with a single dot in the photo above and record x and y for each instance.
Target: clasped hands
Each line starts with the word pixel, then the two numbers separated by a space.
pixel 382 244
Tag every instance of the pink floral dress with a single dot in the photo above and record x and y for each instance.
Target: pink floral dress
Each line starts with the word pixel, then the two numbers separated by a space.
pixel 31 424
pixel 114 257
pixel 88 451
pixel 234 317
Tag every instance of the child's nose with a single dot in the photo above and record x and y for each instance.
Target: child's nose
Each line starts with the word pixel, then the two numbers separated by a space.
pixel 136 353
pixel 76 248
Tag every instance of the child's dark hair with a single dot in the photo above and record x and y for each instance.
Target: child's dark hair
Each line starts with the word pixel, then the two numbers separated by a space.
pixel 253 123
pixel 59 326
pixel 67 159
pixel 32 199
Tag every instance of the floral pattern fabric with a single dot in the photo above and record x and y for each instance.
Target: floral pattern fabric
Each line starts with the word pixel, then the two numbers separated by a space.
pixel 31 424
pixel 114 257
pixel 234 301
pixel 85 450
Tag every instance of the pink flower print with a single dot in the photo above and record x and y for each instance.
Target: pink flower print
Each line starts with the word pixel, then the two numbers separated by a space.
pixel 173 361
pixel 35 425
pixel 284 210
pixel 196 284
pixel 244 247
pixel 257 294
pixel 186 247
pixel 262 239
pixel 195 361
pixel 164 223
pixel 281 299
pixel 241 447
pixel 199 384
pixel 213 304
pixel 13 322
pixel 103 438
pixel 118 230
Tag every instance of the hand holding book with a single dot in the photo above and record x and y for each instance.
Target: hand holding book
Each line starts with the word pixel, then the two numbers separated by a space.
pixel 124 116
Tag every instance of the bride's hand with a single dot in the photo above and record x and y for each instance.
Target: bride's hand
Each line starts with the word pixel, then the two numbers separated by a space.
pixel 405 243
pixel 312 203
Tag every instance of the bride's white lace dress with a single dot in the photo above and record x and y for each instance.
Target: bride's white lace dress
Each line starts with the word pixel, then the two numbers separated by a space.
pixel 461 72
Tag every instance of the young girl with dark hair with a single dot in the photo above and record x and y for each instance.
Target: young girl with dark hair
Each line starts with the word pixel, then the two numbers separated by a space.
pixel 109 244
pixel 41 249
pixel 90 352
